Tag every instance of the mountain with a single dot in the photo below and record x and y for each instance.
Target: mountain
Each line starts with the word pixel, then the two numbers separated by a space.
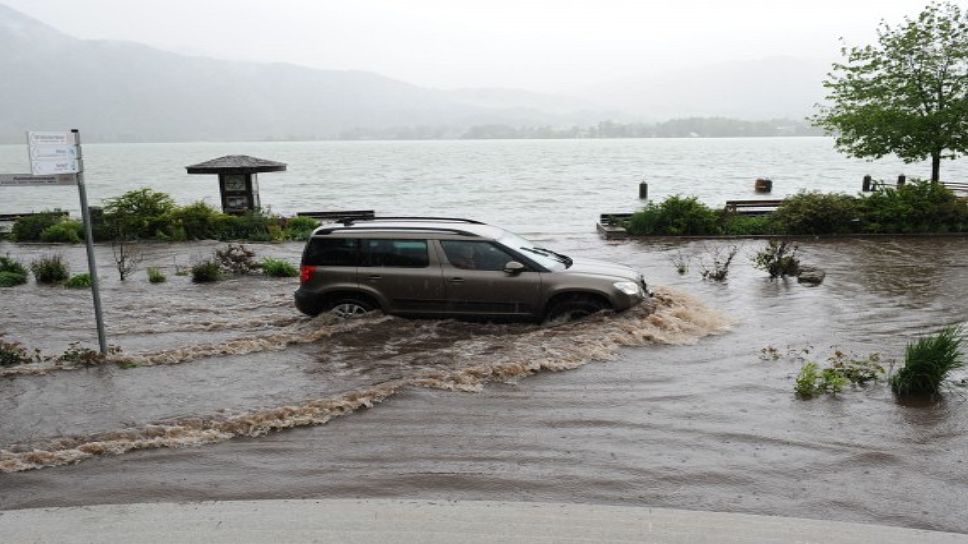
pixel 119 91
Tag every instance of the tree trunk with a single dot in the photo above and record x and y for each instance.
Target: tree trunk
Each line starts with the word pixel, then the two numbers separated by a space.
pixel 936 166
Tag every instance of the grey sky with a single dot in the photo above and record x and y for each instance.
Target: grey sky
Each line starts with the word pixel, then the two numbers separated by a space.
pixel 543 45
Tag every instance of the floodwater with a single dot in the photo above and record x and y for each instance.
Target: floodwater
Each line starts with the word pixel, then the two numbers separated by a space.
pixel 236 396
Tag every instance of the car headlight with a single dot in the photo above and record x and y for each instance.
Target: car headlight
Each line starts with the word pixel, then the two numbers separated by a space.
pixel 628 287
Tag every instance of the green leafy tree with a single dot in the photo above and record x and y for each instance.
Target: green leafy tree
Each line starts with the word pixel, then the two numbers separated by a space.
pixel 906 95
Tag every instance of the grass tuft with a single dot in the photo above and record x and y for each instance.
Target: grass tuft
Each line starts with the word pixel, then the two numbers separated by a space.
pixel 278 268
pixel 50 269
pixel 927 363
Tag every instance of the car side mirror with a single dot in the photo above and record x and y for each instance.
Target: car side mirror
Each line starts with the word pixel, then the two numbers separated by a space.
pixel 514 268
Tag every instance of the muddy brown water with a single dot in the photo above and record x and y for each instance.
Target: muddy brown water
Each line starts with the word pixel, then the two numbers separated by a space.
pixel 236 396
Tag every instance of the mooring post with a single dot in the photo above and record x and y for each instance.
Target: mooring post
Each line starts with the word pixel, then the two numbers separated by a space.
pixel 643 191
pixel 901 179
pixel 866 187
pixel 763 185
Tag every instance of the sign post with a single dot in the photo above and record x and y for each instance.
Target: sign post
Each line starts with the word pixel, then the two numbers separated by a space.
pixel 55 159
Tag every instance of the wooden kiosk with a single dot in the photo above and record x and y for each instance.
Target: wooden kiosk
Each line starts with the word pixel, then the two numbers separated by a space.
pixel 237 179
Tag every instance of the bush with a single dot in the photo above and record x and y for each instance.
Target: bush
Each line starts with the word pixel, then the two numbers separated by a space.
pixel 68 231
pixel 812 380
pixel 139 214
pixel 676 215
pixel 747 225
pixel 299 228
pixel 79 281
pixel 14 353
pixel 927 363
pixel 50 269
pixel 253 226
pixel 76 355
pixel 715 264
pixel 236 259
pixel 778 259
pixel 278 268
pixel 817 213
pixel 30 228
pixel 921 206
pixel 11 279
pixel 11 272
pixel 196 221
pixel 155 275
pixel 206 271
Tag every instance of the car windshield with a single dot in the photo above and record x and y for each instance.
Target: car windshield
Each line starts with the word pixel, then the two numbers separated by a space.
pixel 545 257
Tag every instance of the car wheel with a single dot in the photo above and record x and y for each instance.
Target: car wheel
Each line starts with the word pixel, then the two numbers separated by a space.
pixel 347 308
pixel 570 309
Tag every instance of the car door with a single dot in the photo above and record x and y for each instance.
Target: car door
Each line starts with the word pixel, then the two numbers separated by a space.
pixel 477 284
pixel 405 273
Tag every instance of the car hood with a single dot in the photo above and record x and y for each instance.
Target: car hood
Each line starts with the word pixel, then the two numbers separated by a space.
pixel 603 268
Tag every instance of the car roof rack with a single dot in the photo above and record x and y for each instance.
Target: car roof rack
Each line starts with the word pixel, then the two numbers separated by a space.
pixel 330 230
pixel 351 220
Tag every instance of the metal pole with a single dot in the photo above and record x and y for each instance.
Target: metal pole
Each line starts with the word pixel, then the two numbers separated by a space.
pixel 89 242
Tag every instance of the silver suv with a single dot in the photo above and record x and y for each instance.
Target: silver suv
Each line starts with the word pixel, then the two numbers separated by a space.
pixel 446 267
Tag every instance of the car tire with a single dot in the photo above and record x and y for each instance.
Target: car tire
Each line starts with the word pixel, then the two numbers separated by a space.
pixel 350 307
pixel 572 308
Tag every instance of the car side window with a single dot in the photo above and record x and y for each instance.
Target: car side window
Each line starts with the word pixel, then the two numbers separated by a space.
pixel 396 253
pixel 476 255
pixel 332 252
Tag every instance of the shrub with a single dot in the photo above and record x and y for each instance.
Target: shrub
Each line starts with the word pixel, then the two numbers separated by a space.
pixel 278 268
pixel 14 353
pixel 196 221
pixel 76 355
pixel 9 264
pixel 812 380
pixel 252 226
pixel 236 259
pixel 155 275
pixel 206 271
pixel 79 281
pixel 927 363
pixel 139 214
pixel 11 279
pixel 69 231
pixel 676 215
pixel 715 265
pixel 299 228
pixel 816 213
pixel 921 206
pixel 778 259
pixel 29 228
pixel 746 225
pixel 50 269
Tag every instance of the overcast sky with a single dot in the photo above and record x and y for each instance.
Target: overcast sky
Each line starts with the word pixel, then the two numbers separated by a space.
pixel 542 45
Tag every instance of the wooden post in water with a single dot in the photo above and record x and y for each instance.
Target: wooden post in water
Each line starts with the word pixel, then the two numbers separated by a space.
pixel 643 191
pixel 900 180
pixel 866 187
pixel 763 185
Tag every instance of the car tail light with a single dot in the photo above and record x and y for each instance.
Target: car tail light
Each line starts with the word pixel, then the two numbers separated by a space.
pixel 306 272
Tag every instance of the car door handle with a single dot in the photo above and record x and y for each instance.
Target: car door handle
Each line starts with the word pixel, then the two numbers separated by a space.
pixel 456 280
pixel 374 277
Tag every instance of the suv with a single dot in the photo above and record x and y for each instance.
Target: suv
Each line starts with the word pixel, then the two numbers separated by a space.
pixel 448 267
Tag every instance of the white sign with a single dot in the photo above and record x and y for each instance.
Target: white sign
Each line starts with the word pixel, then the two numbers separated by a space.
pixel 27 180
pixel 53 153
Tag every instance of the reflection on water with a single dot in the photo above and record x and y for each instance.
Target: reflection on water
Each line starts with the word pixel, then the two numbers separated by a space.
pixel 676 417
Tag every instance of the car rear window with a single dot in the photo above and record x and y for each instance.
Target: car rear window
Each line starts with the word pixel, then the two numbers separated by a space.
pixel 395 253
pixel 332 252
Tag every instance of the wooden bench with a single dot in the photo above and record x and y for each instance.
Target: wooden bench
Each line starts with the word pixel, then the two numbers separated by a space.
pixel 752 207
pixel 339 216
pixel 12 217
pixel 957 188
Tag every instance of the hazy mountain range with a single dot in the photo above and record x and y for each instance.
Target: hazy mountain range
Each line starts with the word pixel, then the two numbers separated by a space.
pixel 121 91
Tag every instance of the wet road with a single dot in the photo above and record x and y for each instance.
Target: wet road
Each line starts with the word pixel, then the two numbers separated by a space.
pixel 676 408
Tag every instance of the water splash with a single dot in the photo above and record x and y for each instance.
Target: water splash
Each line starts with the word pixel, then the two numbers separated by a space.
pixel 672 317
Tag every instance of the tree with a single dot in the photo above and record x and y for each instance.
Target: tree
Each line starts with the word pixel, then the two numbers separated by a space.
pixel 907 95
